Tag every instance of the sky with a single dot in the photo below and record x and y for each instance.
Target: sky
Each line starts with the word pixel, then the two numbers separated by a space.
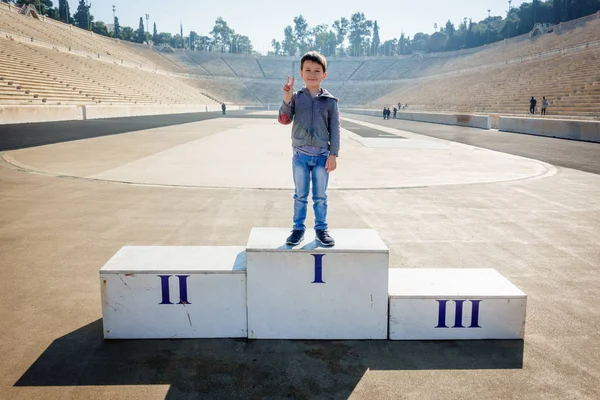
pixel 264 20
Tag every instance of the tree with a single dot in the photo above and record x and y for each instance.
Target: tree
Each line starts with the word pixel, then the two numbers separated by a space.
pixel 204 43
pixel 43 6
pixel 289 44
pixel 360 31
pixel 100 28
pixel 323 40
pixel 163 38
pixel 82 17
pixel 240 44
pixel 302 33
pixel 389 48
pixel 193 39
pixel 375 42
pixel 222 35
pixel 176 41
pixel 63 11
pixel 341 30
pixel 155 35
pixel 276 46
pixel 140 34
pixel 127 33
pixel 403 44
pixel 181 34
pixel 117 28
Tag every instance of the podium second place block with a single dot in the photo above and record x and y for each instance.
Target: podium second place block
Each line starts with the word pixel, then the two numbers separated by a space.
pixel 174 292
pixel 313 292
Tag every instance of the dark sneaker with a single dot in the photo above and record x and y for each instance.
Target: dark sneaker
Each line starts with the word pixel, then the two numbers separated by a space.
pixel 295 238
pixel 324 238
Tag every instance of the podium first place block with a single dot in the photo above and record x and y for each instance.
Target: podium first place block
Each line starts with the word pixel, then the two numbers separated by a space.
pixel 313 292
pixel 174 292
pixel 439 303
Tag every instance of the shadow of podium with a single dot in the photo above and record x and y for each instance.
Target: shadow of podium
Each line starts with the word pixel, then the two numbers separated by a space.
pixel 242 368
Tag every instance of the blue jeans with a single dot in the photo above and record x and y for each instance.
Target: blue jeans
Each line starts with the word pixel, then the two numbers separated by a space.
pixel 306 169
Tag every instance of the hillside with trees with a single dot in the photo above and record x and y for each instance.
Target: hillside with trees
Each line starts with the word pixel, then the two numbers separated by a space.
pixel 359 36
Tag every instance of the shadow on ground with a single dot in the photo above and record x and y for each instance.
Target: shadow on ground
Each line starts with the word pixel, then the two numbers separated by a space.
pixel 20 136
pixel 240 368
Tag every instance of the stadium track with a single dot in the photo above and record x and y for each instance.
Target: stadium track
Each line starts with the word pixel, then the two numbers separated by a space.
pixel 583 156
pixel 56 233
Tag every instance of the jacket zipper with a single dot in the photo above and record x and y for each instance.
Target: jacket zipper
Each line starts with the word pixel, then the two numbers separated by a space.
pixel 312 120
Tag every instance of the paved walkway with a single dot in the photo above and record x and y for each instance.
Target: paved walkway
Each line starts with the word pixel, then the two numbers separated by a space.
pixel 62 217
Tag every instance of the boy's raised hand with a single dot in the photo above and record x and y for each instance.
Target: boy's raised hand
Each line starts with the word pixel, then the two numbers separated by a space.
pixel 288 90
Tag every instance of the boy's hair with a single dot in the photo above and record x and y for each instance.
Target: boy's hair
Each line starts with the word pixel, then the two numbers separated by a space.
pixel 314 56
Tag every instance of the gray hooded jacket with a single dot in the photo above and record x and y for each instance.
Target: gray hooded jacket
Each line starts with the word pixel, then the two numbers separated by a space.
pixel 316 120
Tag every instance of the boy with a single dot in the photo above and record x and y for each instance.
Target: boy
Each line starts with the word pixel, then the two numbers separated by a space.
pixel 315 142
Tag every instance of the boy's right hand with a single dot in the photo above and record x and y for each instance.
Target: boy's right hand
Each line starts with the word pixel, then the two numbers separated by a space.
pixel 288 90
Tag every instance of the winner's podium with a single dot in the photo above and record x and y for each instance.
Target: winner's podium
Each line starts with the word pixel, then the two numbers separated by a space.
pixel 268 290
pixel 314 292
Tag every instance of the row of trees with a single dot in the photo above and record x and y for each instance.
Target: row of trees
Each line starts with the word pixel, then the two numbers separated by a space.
pixel 222 37
pixel 359 36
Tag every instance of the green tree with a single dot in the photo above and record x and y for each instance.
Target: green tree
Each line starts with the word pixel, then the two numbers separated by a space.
pixel 155 35
pixel 140 34
pixel 341 30
pixel 240 44
pixel 163 38
pixel 117 28
pixel 63 11
pixel 204 43
pixel 276 46
pixel 375 43
pixel 176 41
pixel 289 44
pixel 42 6
pixel 301 33
pixel 127 33
pixel 389 48
pixel 100 28
pixel 402 47
pixel 222 35
pixel 193 39
pixel 82 17
pixel 360 31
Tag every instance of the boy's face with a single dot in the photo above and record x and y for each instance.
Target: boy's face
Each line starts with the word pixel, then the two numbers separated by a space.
pixel 313 74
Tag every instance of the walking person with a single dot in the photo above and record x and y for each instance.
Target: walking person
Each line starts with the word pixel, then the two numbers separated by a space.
pixel 532 104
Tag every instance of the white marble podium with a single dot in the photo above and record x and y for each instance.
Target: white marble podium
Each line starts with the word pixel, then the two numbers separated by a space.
pixel 438 303
pixel 313 292
pixel 174 292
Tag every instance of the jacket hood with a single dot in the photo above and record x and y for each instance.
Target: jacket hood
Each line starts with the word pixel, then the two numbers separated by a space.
pixel 324 93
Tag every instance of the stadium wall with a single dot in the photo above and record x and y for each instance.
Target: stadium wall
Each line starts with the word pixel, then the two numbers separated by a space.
pixel 48 113
pixel 588 131
pixel 467 120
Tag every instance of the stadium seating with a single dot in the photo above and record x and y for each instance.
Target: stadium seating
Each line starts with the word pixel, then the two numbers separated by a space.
pixel 572 85
pixel 45 61
pixel 33 74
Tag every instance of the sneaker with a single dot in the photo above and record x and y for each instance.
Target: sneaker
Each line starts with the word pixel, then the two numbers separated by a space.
pixel 324 238
pixel 295 238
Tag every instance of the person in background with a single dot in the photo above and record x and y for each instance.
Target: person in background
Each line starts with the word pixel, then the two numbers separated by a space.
pixel 544 105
